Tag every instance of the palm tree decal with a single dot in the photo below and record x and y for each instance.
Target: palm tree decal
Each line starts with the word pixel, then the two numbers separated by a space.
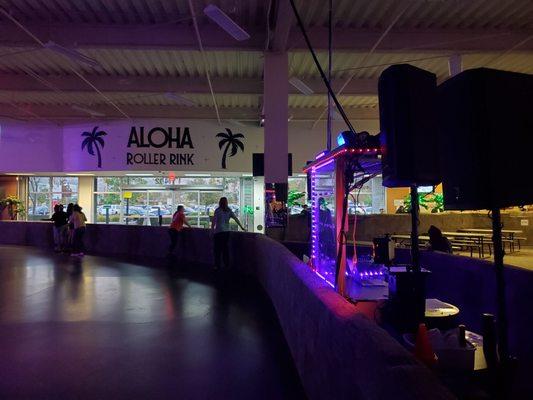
pixel 229 140
pixel 93 140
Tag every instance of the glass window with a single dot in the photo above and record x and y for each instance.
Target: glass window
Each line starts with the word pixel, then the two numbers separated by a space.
pixel 38 206
pixel 207 206
pixel 297 196
pixel 39 184
pixel 370 199
pixel 232 189
pixel 199 195
pixel 64 184
pixel 64 190
pixel 161 204
pixel 45 192
pixel 111 184
pixel 135 208
pixel 107 201
pixel 207 181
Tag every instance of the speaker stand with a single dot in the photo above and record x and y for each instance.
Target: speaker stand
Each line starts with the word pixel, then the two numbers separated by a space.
pixel 415 212
pixel 503 349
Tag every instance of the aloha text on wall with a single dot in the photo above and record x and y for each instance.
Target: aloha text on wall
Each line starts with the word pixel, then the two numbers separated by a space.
pixel 158 137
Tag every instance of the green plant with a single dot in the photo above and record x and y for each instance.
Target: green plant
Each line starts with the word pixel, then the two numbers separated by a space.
pixel 428 201
pixel 438 203
pixel 14 206
pixel 249 210
pixel 293 197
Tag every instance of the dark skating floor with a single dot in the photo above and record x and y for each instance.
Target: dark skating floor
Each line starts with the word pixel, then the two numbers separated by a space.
pixel 99 328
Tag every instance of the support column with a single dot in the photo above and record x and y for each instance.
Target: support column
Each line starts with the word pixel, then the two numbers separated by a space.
pixel 86 196
pixel 276 103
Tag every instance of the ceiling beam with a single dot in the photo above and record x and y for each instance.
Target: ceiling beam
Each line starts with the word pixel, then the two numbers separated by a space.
pixel 129 37
pixel 59 112
pixel 282 28
pixel 424 40
pixel 150 84
pixel 182 38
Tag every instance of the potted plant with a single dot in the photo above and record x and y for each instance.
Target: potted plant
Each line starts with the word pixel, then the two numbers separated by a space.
pixel 293 198
pixel 14 207
pixel 431 201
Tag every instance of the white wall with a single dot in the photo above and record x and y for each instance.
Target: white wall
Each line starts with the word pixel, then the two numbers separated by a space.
pixel 86 195
pixel 30 147
pixel 305 142
pixel 204 150
pixel 38 147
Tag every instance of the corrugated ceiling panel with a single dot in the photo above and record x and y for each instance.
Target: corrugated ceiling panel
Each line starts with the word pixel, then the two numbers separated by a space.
pixel 136 62
pixel 299 101
pixel 158 99
pixel 516 62
pixel 373 14
pixel 378 14
pixel 348 64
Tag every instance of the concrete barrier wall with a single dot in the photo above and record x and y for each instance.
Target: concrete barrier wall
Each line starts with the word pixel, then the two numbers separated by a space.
pixel 371 226
pixel 470 284
pixel 115 240
pixel 338 351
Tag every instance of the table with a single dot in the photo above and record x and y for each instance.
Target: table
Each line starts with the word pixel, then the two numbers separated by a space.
pixel 509 232
pixel 405 237
pixel 479 239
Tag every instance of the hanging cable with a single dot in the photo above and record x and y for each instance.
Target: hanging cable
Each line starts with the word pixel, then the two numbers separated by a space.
pixel 330 49
pixel 204 59
pixel 78 74
pixel 374 47
pixel 319 67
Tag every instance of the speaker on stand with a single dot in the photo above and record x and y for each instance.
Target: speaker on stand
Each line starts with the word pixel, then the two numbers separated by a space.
pixel 409 137
pixel 486 122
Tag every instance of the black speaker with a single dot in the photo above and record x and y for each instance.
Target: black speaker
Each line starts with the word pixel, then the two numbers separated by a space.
pixel 407 116
pixel 486 122
pixel 258 164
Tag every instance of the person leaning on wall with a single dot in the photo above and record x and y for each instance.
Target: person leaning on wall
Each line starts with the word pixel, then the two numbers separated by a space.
pixel 77 220
pixel 179 220
pixel 221 228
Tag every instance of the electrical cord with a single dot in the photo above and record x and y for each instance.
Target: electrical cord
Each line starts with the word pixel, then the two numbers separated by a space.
pixel 319 67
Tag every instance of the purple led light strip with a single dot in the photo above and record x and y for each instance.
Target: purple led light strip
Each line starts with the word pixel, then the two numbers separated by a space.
pixel 314 219
pixel 322 161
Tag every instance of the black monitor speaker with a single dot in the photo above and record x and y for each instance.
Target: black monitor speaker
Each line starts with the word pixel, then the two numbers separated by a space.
pixel 409 137
pixel 486 122
pixel 282 191
pixel 258 164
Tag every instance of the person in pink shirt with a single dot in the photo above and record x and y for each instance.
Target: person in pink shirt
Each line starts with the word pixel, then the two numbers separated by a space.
pixel 179 220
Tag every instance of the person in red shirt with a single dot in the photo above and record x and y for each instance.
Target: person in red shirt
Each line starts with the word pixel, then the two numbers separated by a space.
pixel 179 220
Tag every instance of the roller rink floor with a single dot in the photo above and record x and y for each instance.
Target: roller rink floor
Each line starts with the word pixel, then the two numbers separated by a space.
pixel 104 328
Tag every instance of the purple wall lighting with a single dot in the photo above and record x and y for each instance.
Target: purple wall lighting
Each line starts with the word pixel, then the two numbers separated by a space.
pixel 314 218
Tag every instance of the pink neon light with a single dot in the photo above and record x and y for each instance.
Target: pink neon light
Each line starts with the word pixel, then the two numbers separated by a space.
pixel 336 154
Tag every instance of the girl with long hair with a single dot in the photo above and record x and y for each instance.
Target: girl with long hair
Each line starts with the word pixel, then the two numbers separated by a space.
pixel 220 226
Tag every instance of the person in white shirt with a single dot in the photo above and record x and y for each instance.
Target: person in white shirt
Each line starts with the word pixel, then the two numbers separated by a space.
pixel 221 228
pixel 77 220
